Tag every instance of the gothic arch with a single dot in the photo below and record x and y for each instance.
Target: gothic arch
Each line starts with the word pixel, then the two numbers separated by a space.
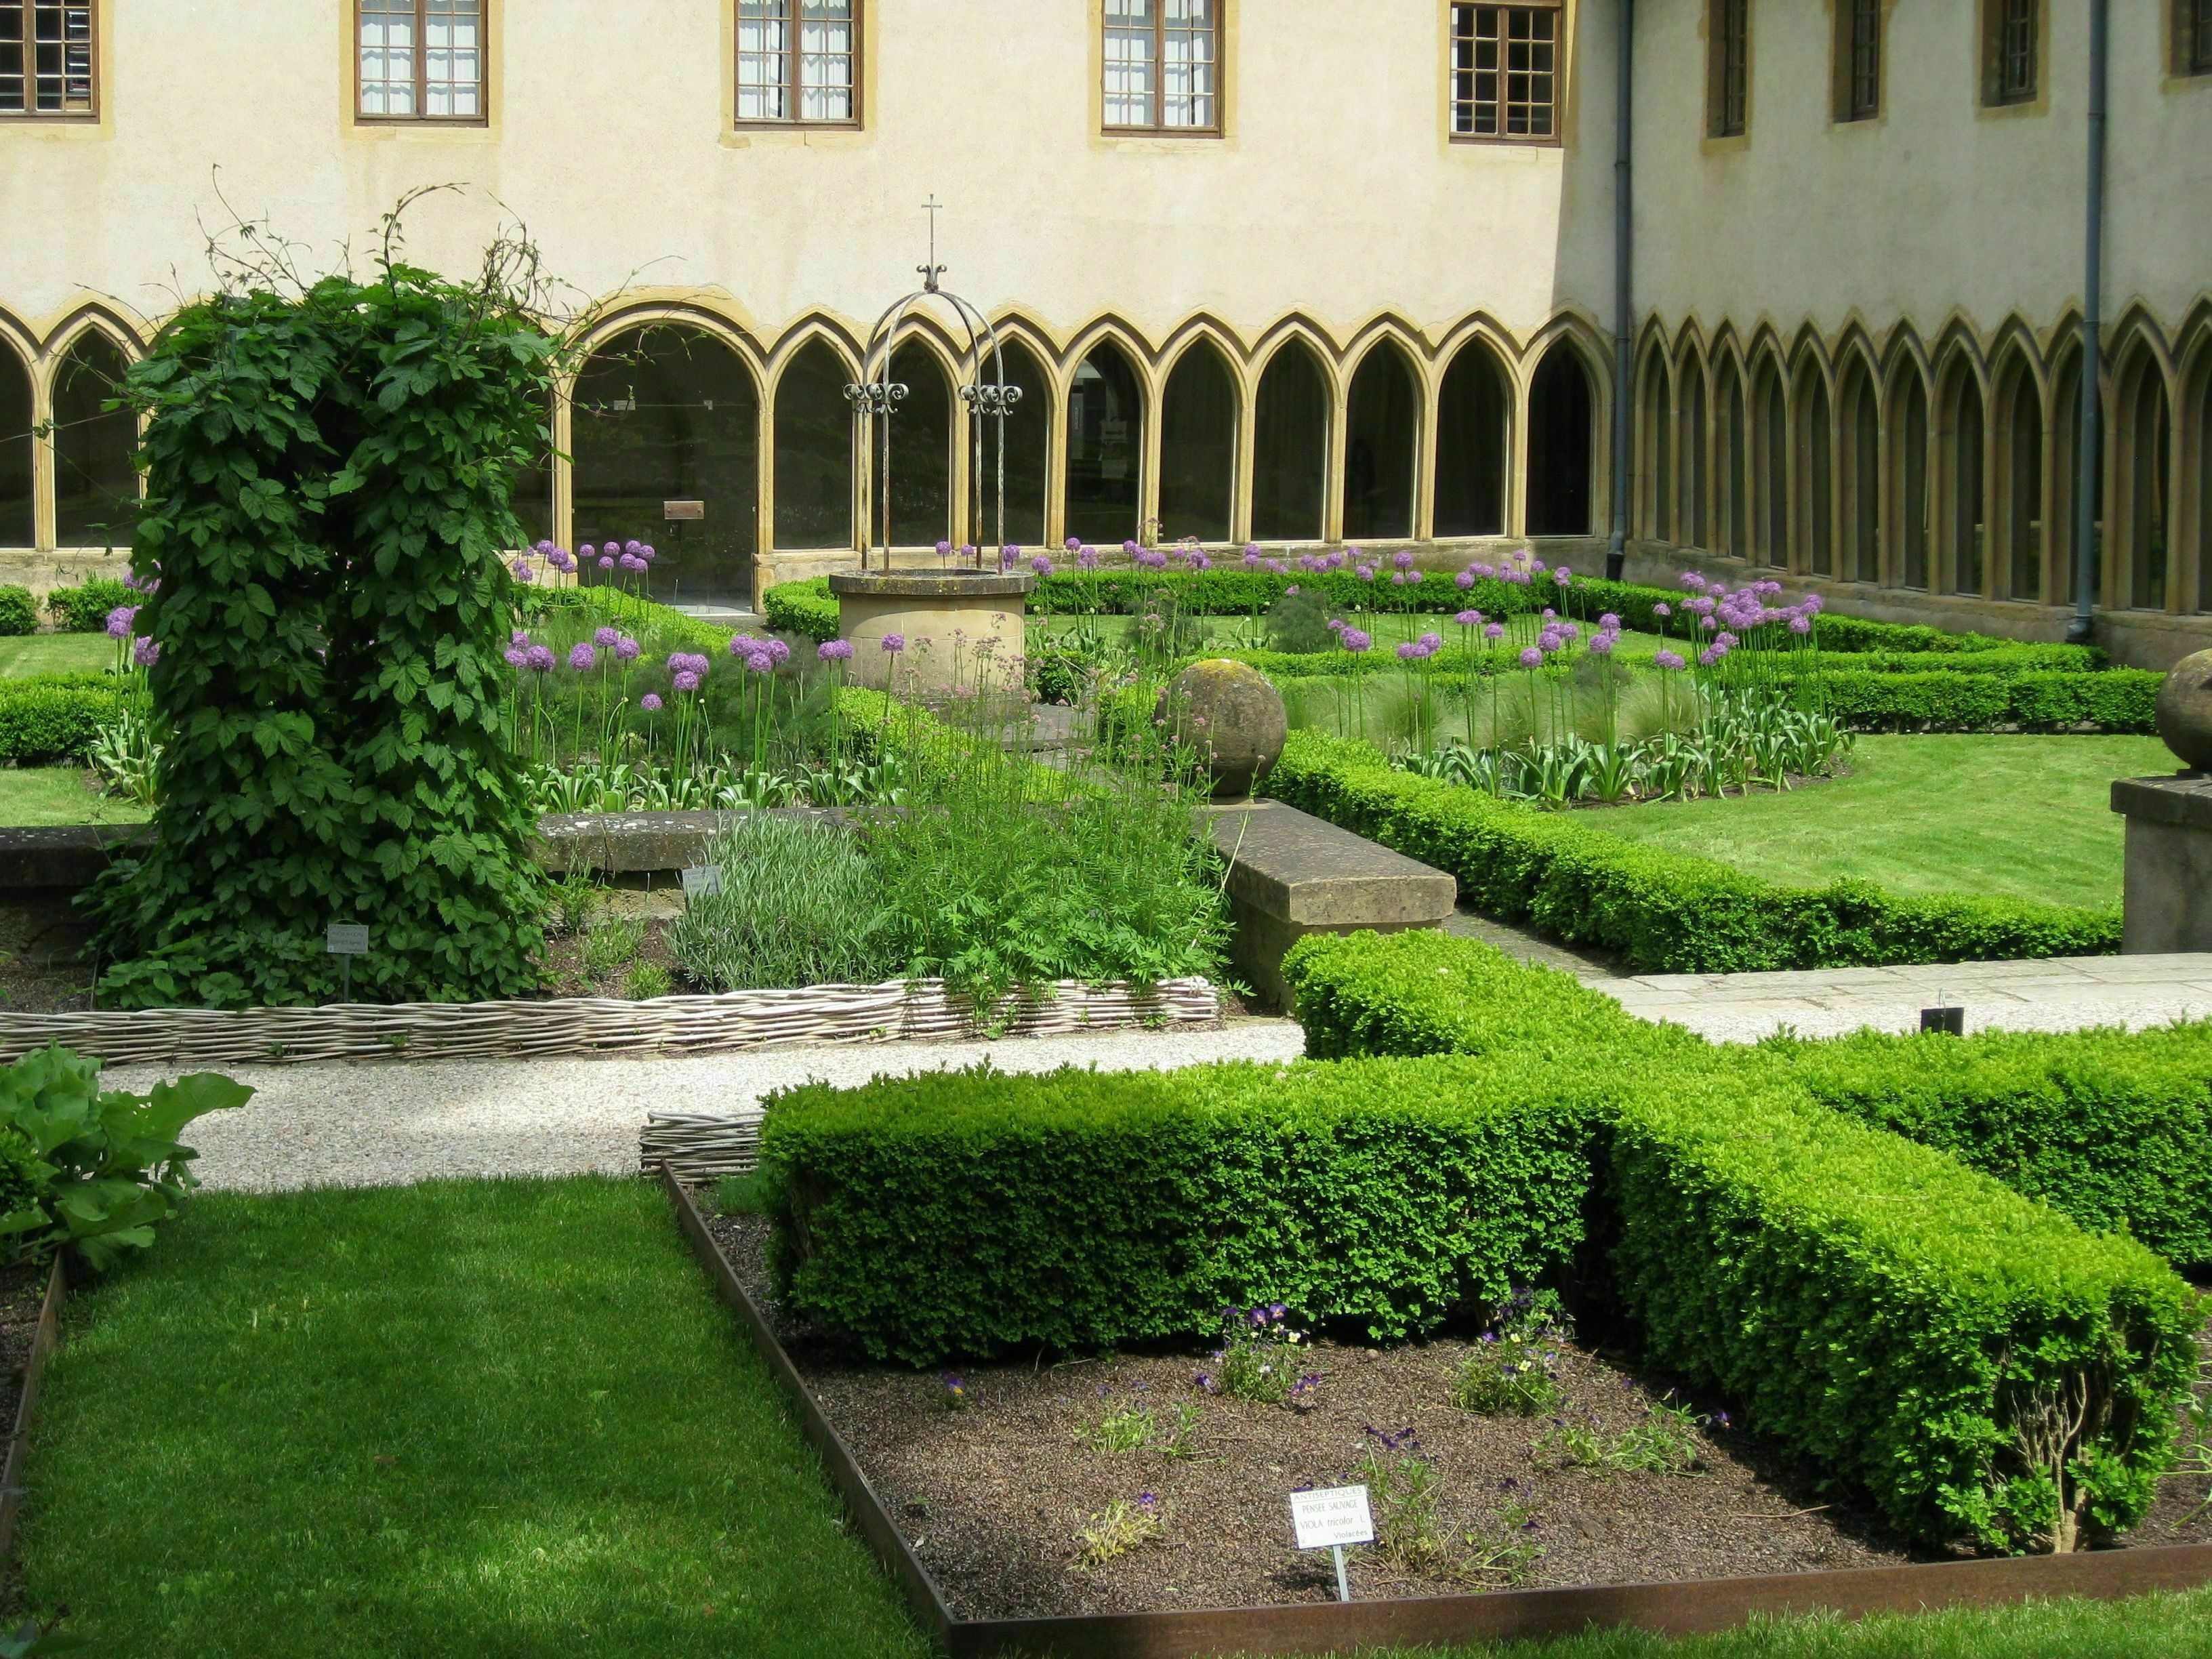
pixel 1768 393
pixel 2141 454
pixel 1385 401
pixel 1473 446
pixel 1565 421
pixel 1961 471
pixel 1653 483
pixel 815 494
pixel 95 481
pixel 1694 446
pixel 1295 417
pixel 1201 422
pixel 2018 455
pixel 1110 406
pixel 1908 515
pixel 1859 460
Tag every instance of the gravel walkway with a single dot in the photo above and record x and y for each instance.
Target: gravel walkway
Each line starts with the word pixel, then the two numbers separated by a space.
pixel 388 1123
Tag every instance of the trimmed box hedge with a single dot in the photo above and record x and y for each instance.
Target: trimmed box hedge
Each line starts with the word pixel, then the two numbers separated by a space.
pixel 806 608
pixel 1659 911
pixel 84 610
pixel 967 1213
pixel 54 718
pixel 19 612
pixel 2112 1127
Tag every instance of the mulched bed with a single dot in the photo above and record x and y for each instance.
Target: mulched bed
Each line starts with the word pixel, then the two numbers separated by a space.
pixel 42 967
pixel 631 927
pixel 992 1495
pixel 22 1293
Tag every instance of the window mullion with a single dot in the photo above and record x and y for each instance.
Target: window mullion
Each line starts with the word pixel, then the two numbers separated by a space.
pixel 422 59
pixel 1159 66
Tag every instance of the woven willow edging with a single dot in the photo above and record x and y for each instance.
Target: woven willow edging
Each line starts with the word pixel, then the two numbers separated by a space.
pixel 893 1012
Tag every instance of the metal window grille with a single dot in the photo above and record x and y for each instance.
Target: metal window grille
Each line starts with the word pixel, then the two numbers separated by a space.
pixel 1505 72
pixel 2015 45
pixel 1163 65
pixel 797 60
pixel 1866 59
pixel 45 59
pixel 2196 23
pixel 422 59
pixel 1731 45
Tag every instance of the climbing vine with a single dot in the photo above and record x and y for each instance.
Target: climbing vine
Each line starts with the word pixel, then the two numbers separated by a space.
pixel 329 467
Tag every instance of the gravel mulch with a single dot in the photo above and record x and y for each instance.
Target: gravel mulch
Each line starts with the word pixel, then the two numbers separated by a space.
pixel 995 1493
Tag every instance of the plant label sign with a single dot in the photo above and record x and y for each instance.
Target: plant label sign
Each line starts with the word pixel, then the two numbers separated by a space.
pixel 1333 1517
pixel 346 938
pixel 680 511
pixel 702 883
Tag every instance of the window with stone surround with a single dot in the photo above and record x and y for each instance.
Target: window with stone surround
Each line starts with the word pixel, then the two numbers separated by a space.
pixel 2011 51
pixel 420 60
pixel 1163 66
pixel 799 62
pixel 1728 68
pixel 1506 72
pixel 46 60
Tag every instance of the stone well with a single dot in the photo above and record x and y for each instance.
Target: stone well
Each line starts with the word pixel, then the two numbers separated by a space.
pixel 963 631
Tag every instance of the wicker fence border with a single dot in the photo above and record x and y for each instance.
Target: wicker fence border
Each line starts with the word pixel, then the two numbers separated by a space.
pixel 1686 1607
pixel 896 1011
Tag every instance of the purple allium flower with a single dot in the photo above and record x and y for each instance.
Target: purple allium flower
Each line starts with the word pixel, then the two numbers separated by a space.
pixel 1550 615
pixel 119 620
pixel 1337 624
pixel 538 659
pixel 1432 641
pixel 686 681
pixel 606 563
pixel 1355 640
pixel 944 549
pixel 1709 656
pixel 145 653
pixel 1801 624
pixel 1532 658
pixel 628 649
pixel 522 571
pixel 650 702
pixel 606 638
pixel 585 551
pixel 1075 541
pixel 631 561
pixel 1292 589
pixel 1663 609
pixel 894 643
pixel 1403 561
pixel 1041 564
pixel 516 658
pixel 760 662
pixel 1668 658
pixel 1601 644
pixel 1364 572
pixel 1815 603
pixel 1410 652
pixel 1609 621
pixel 778 651
pixel 1469 619
pixel 1086 557
pixel 1562 575
pixel 561 559
pixel 520 637
pixel 583 656
pixel 1707 623
pixel 1725 640
pixel 1494 631
pixel 1251 558
pixel 1397 579
pixel 1692 582
pixel 633 548
pixel 834 651
pixel 1464 580
pixel 1130 547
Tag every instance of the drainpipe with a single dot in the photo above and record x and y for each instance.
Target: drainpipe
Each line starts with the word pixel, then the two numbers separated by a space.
pixel 2092 303
pixel 1624 201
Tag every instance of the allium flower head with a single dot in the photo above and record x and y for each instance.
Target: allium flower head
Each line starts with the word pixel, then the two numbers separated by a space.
pixel 1469 619
pixel 1356 640
pixel 1609 621
pixel 1409 652
pixel 1432 641
pixel 650 702
pixel 520 637
pixel 894 643
pixel 1042 565
pixel 145 653
pixel 944 549
pixel 1692 582
pixel 119 621
pixel 1402 560
pixel 1668 658
pixel 628 649
pixel 635 549
pixel 606 562
pixel 759 662
pixel 538 659
pixel 1464 580
pixel 1663 609
pixel 517 657
pixel 1801 624
pixel 585 551
pixel 1130 547
pixel 606 638
pixel 1601 644
pixel 778 651
pixel 522 571
pixel 1086 557
pixel 1532 658
pixel 1494 631
pixel 686 680
pixel 1073 542
pixel 583 656
pixel 834 651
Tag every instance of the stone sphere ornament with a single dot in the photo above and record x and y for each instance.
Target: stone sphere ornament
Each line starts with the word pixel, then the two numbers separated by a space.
pixel 1230 714
pixel 2185 711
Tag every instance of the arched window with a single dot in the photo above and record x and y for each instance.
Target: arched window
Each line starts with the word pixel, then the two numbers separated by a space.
pixel 1734 465
pixel 1028 439
pixel 813 451
pixel 2147 461
pixel 1965 520
pixel 15 441
pixel 2066 481
pixel 1770 467
pixel 1862 475
pixel 1695 527
pixel 2020 482
pixel 1382 431
pixel 1290 447
pixel 1105 442
pixel 921 449
pixel 95 485
pixel 668 413
pixel 1654 419
pixel 532 497
pixel 1908 473
pixel 1198 447
pixel 1561 416
pixel 1473 441
pixel 1816 475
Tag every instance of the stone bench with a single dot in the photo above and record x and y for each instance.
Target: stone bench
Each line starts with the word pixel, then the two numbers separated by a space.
pixel 1292 874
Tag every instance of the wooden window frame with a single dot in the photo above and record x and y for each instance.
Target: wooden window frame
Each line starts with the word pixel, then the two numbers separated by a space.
pixel 1727 68
pixel 2002 55
pixel 2192 40
pixel 31 112
pixel 792 91
pixel 481 118
pixel 1154 128
pixel 1861 27
pixel 1453 102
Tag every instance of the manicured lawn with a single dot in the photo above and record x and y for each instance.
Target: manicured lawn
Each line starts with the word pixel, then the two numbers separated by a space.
pixel 481 1420
pixel 2026 815
pixel 56 654
pixel 61 794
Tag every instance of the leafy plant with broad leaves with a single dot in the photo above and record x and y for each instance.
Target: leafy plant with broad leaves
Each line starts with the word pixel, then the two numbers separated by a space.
pixel 329 470
pixel 102 1168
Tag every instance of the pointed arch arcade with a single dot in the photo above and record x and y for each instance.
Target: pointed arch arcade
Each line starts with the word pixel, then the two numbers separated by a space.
pixel 95 485
pixel 1562 443
pixel 1474 443
pixel 1199 418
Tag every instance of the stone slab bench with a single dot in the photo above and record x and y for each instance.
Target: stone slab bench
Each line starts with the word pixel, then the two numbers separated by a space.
pixel 1292 874
pixel 2168 886
pixel 64 857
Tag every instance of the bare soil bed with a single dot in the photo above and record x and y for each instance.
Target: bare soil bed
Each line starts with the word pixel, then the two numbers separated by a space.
pixel 22 1293
pixel 995 1486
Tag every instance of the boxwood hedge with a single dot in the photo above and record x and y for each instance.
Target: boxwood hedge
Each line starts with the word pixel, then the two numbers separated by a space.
pixel 54 718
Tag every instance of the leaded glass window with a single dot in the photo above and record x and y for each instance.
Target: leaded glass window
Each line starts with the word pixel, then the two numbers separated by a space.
pixel 45 59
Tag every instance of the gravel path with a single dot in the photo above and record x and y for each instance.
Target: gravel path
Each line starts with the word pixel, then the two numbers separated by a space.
pixel 388 1123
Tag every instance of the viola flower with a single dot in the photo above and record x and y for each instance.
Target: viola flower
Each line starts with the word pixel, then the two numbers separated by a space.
pixel 583 656
pixel 834 651
pixel 650 702
pixel 895 643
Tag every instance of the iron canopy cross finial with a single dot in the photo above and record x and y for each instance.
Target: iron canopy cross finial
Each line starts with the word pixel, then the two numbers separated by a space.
pixel 933 270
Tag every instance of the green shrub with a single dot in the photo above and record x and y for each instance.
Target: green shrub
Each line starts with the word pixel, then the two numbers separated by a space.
pixel 1661 911
pixel 799 905
pixel 84 610
pixel 663 626
pixel 19 612
pixel 55 718
pixel 2114 1129
pixel 2119 700
pixel 973 1213
pixel 96 1170
pixel 1894 1316
pixel 807 608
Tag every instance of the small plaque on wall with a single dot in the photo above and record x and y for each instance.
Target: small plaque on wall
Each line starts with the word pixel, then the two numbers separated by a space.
pixel 674 511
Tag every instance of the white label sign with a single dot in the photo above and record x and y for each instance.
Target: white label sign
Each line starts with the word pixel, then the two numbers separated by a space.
pixel 346 938
pixel 702 881
pixel 1333 1516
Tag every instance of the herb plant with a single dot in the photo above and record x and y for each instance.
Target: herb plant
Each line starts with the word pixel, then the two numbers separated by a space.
pixel 1510 1367
pixel 1120 1527
pixel 1258 1359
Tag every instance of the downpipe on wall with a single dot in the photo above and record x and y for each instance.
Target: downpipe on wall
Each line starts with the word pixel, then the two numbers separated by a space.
pixel 1624 231
pixel 2093 325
